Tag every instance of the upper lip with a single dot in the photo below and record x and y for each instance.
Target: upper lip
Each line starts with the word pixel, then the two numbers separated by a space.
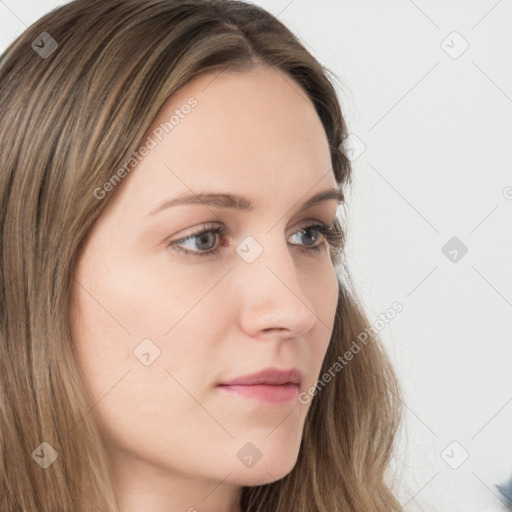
pixel 270 376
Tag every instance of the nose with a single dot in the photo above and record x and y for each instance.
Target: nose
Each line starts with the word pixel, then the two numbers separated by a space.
pixel 273 299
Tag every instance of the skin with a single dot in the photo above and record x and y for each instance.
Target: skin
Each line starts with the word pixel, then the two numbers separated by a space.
pixel 173 436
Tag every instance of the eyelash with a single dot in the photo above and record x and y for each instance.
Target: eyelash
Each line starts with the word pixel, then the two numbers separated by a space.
pixel 333 237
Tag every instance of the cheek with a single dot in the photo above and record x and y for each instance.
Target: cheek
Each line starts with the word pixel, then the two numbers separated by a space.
pixel 168 412
pixel 133 328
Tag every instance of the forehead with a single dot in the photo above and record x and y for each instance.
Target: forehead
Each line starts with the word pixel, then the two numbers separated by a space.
pixel 255 133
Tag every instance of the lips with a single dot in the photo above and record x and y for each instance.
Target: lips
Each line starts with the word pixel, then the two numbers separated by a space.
pixel 269 376
pixel 271 386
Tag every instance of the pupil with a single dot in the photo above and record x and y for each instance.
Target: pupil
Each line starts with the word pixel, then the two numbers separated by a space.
pixel 202 237
pixel 309 231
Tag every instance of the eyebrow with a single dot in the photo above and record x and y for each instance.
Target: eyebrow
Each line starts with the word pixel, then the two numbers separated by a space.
pixel 238 202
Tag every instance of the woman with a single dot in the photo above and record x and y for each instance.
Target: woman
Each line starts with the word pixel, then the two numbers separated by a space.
pixel 179 330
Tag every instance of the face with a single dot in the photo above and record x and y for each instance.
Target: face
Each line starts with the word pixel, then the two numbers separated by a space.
pixel 156 329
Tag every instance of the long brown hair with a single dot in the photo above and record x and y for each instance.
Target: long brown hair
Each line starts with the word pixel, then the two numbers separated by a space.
pixel 79 90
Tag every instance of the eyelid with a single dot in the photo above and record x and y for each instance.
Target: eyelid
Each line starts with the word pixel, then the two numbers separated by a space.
pixel 205 226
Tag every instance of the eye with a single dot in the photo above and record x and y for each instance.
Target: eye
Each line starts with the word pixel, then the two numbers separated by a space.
pixel 318 230
pixel 205 238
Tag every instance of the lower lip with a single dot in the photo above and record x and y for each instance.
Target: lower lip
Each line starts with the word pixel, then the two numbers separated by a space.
pixel 274 395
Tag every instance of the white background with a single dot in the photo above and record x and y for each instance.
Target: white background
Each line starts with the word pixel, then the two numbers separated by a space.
pixel 437 161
